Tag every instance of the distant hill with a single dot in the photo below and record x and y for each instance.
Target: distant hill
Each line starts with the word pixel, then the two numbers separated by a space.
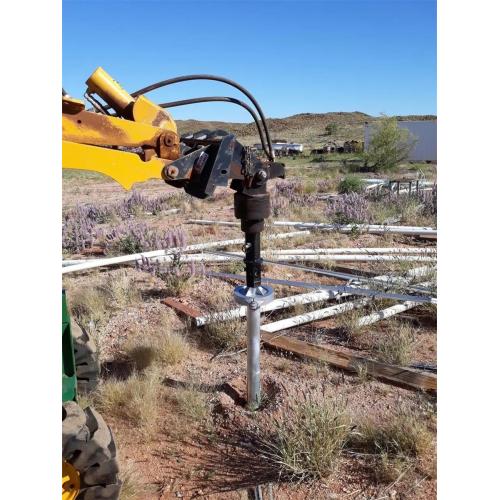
pixel 306 128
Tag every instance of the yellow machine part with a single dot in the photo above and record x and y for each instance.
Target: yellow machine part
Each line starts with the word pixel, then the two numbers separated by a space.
pixel 101 83
pixel 70 481
pixel 125 168
pixel 91 140
pixel 146 111
pixel 101 130
pixel 141 109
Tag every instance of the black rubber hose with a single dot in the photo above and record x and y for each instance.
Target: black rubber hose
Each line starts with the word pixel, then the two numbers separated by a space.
pixel 232 100
pixel 232 83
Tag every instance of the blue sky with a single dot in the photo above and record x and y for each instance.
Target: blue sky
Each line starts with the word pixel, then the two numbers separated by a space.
pixel 294 56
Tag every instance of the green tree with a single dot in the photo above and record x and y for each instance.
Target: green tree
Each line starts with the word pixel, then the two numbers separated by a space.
pixel 332 129
pixel 389 145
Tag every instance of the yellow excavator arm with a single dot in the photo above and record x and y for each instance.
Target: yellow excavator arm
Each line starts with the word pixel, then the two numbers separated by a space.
pixel 133 144
pixel 131 139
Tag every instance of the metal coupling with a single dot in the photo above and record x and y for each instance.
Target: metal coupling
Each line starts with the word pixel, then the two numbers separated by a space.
pixel 253 297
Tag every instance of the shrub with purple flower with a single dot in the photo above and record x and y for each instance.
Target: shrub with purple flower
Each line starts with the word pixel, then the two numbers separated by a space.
pixel 80 225
pixel 350 208
pixel 326 185
pixel 287 194
pixel 137 203
pixel 176 275
pixel 78 228
pixel 136 237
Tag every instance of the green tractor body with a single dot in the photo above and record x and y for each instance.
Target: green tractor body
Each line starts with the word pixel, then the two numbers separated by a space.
pixel 89 459
pixel 68 356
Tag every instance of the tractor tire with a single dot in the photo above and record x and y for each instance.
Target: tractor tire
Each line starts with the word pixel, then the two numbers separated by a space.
pixel 86 362
pixel 88 446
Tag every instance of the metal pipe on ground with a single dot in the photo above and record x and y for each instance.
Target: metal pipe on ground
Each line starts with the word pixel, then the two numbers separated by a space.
pixel 338 251
pixel 301 319
pixel 90 264
pixel 338 309
pixel 351 290
pixel 371 228
pixel 328 257
pixel 343 228
pixel 285 302
pixel 276 304
pixel 386 313
pixel 389 311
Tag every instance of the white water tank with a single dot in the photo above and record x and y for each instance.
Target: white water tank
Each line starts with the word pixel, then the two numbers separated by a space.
pixel 423 132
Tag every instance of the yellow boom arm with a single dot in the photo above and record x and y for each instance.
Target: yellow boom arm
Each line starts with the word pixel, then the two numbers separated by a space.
pixel 131 146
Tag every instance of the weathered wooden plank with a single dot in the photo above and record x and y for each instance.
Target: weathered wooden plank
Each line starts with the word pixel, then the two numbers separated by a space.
pixel 340 359
pixel 408 377
pixel 187 309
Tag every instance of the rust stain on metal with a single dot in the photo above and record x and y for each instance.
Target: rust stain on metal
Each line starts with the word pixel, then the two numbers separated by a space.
pixel 160 118
pixel 101 130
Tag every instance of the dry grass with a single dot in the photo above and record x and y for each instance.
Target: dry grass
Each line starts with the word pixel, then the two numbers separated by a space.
pixel 121 289
pixel 404 434
pixel 168 348
pixel 157 344
pixel 136 399
pixel 430 310
pixel 133 487
pixel 192 412
pixel 225 334
pixel 396 345
pixel 177 284
pixel 192 404
pixel 362 372
pixel 389 469
pixel 348 322
pixel 172 348
pixel 91 305
pixel 304 441
pixel 85 399
pixel 141 352
pixel 222 334
pixel 396 444
pixel 220 297
pixel 88 305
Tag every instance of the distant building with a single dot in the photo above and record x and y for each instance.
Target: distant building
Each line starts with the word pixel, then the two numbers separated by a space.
pixel 283 147
pixel 424 132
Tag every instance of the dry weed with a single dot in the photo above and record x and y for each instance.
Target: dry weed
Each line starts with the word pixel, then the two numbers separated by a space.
pixel 362 372
pixel 192 404
pixel 225 334
pixel 396 345
pixel 306 438
pixel 348 322
pixel 157 344
pixel 121 289
pixel 405 434
pixel 136 399
pixel 89 307
pixel 398 444
pixel 389 469
pixel 141 352
pixel 133 487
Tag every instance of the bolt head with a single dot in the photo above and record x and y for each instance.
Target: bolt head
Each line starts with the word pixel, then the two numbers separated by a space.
pixel 172 171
